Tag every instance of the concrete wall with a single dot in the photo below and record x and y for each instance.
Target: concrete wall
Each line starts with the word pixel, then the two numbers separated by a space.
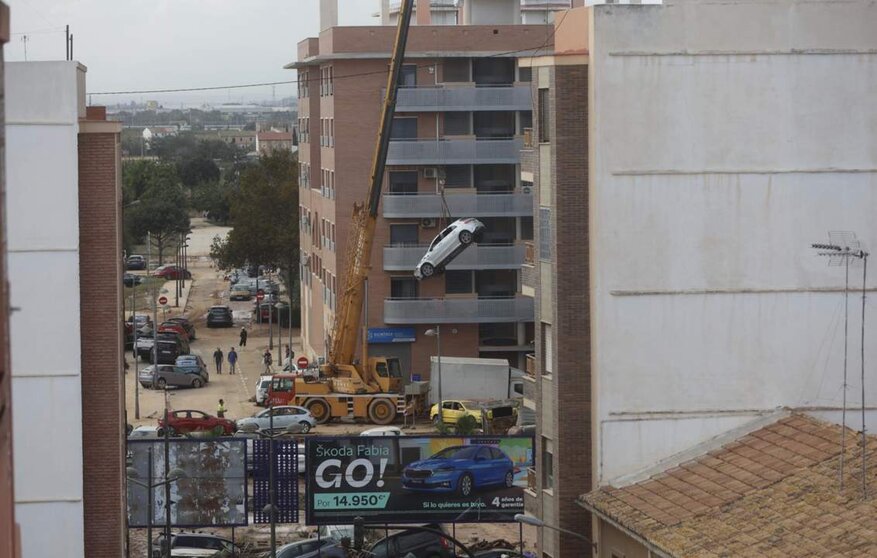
pixel 43 107
pixel 726 137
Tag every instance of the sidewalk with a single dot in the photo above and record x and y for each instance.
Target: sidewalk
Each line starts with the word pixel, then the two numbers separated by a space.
pixel 168 289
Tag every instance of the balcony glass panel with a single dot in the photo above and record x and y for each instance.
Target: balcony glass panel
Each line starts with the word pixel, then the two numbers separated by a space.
pixel 464 98
pixel 405 258
pixel 459 205
pixel 454 152
pixel 458 310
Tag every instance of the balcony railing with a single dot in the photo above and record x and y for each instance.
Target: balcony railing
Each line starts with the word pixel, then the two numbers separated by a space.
pixel 463 97
pixel 458 310
pixel 405 258
pixel 464 151
pixel 398 206
pixel 531 364
pixel 528 138
pixel 529 253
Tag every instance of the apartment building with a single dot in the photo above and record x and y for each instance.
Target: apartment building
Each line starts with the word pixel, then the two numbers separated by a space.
pixel 454 153
pixel 64 242
pixel 9 542
pixel 475 12
pixel 684 157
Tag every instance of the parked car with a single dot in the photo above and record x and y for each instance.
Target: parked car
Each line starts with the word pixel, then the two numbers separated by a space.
pixel 174 327
pixel 135 262
pixel 498 553
pixel 262 385
pixel 447 245
pixel 460 469
pixel 240 292
pixel 171 272
pixel 285 416
pixel 165 375
pixel 131 280
pixel 383 431
pixel 200 541
pixel 220 316
pixel 188 421
pixel 143 432
pixel 170 346
pixel 420 544
pixel 187 325
pixel 311 548
pixel 453 410
pixel 193 364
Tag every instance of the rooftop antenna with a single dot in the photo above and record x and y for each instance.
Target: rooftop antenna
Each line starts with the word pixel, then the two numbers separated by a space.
pixel 843 248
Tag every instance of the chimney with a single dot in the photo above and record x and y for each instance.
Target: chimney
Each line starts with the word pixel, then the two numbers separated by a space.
pixel 328 14
pixel 423 12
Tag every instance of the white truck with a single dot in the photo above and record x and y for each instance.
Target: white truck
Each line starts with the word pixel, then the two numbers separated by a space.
pixel 474 378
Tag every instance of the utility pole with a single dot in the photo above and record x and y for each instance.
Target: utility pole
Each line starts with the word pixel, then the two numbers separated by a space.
pixel 24 40
pixel 67 42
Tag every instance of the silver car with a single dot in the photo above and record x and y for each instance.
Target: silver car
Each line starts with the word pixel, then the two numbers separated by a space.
pixel 170 375
pixel 447 245
pixel 286 417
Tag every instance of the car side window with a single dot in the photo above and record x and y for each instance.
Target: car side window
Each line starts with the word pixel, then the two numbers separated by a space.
pixel 198 415
pixel 448 405
pixel 458 407
pixel 495 453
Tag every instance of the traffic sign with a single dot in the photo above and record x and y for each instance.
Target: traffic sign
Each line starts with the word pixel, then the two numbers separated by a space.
pixel 260 294
pixel 302 362
pixel 162 300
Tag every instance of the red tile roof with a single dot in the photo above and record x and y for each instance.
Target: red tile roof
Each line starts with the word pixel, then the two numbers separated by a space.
pixel 275 136
pixel 773 492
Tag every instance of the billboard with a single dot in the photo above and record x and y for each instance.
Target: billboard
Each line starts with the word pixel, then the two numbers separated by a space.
pixel 417 479
pixel 286 462
pixel 211 492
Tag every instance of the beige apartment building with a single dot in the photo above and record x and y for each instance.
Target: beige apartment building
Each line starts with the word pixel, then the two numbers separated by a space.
pixel 455 149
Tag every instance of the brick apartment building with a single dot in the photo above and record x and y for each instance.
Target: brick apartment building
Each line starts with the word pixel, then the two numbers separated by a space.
pixel 455 151
pixel 64 234
pixel 9 543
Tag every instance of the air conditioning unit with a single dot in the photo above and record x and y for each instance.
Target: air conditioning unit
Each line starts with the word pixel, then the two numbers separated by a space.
pixel 430 172
pixel 527 189
pixel 428 223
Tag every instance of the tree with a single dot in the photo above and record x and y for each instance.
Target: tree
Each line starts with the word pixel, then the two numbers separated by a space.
pixel 215 199
pixel 265 214
pixel 197 169
pixel 162 208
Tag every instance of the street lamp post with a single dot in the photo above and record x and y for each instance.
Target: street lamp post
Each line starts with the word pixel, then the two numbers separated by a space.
pixel 134 350
pixel 437 333
pixel 536 522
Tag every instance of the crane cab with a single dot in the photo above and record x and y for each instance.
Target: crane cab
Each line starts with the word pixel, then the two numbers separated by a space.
pixel 387 372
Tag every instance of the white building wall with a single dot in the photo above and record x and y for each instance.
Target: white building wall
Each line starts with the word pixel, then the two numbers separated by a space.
pixel 44 101
pixel 725 138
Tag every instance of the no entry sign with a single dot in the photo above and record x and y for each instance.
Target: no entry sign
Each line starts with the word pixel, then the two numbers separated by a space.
pixel 162 300
pixel 302 362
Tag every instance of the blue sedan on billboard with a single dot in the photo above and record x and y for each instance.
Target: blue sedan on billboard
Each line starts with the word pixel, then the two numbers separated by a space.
pixel 460 469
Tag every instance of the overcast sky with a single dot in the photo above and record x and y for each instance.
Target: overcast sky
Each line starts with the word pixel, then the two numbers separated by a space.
pixel 155 44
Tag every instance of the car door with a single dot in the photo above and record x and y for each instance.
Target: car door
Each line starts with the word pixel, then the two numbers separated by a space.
pixel 182 422
pixel 201 421
pixel 498 467
pixel 441 248
pixel 482 467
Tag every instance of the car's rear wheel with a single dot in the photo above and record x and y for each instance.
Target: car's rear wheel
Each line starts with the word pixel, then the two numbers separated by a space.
pixel 320 410
pixel 305 427
pixel 509 479
pixel 381 411
pixel 427 269
pixel 196 383
pixel 162 383
pixel 464 488
pixel 466 237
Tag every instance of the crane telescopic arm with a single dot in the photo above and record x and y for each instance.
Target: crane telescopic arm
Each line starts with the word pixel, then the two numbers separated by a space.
pixel 347 320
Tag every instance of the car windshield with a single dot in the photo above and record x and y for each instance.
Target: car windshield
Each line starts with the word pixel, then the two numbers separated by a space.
pixel 457 452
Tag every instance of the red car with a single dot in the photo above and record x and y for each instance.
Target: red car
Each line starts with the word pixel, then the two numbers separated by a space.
pixel 185 422
pixel 171 272
pixel 175 328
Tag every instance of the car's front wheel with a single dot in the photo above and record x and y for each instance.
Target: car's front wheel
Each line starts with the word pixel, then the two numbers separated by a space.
pixel 427 269
pixel 509 479
pixel 466 237
pixel 196 383
pixel 464 488
pixel 162 383
pixel 305 427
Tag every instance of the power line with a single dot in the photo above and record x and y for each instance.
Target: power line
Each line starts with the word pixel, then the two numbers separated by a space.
pixel 315 79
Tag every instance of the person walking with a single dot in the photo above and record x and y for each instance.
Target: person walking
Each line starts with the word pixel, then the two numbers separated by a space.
pixel 243 342
pixel 220 409
pixel 267 360
pixel 218 358
pixel 232 360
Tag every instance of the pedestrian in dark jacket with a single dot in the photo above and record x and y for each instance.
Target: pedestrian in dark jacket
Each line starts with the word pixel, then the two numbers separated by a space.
pixel 232 360
pixel 217 358
pixel 267 360
pixel 243 342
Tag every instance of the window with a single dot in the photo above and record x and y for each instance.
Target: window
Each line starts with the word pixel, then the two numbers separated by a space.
pixel 402 235
pixel 403 182
pixel 458 176
pixel 493 71
pixel 494 124
pixel 544 116
pixel 525 74
pixel 526 228
pixel 547 464
pixel 544 233
pixel 547 349
pixel 403 287
pixel 457 124
pixel 526 117
pixel 458 281
pixel 408 75
pixel 331 80
pixel 404 128
pixel 455 70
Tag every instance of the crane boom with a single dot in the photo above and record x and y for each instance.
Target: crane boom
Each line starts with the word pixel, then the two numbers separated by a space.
pixel 359 248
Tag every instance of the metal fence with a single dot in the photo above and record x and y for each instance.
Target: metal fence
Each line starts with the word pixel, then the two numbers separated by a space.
pixel 463 151
pixel 464 98
pixel 458 310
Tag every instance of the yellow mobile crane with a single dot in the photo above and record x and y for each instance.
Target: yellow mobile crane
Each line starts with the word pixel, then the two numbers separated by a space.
pixel 370 388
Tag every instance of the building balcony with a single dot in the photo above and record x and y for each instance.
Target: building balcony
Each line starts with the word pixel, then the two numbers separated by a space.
pixel 464 97
pixel 531 365
pixel 482 256
pixel 458 310
pixel 404 206
pixel 459 151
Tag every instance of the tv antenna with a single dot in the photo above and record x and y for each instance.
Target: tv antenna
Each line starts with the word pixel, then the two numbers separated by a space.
pixel 843 249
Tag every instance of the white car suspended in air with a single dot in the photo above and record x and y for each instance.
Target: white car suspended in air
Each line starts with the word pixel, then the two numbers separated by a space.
pixel 447 245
